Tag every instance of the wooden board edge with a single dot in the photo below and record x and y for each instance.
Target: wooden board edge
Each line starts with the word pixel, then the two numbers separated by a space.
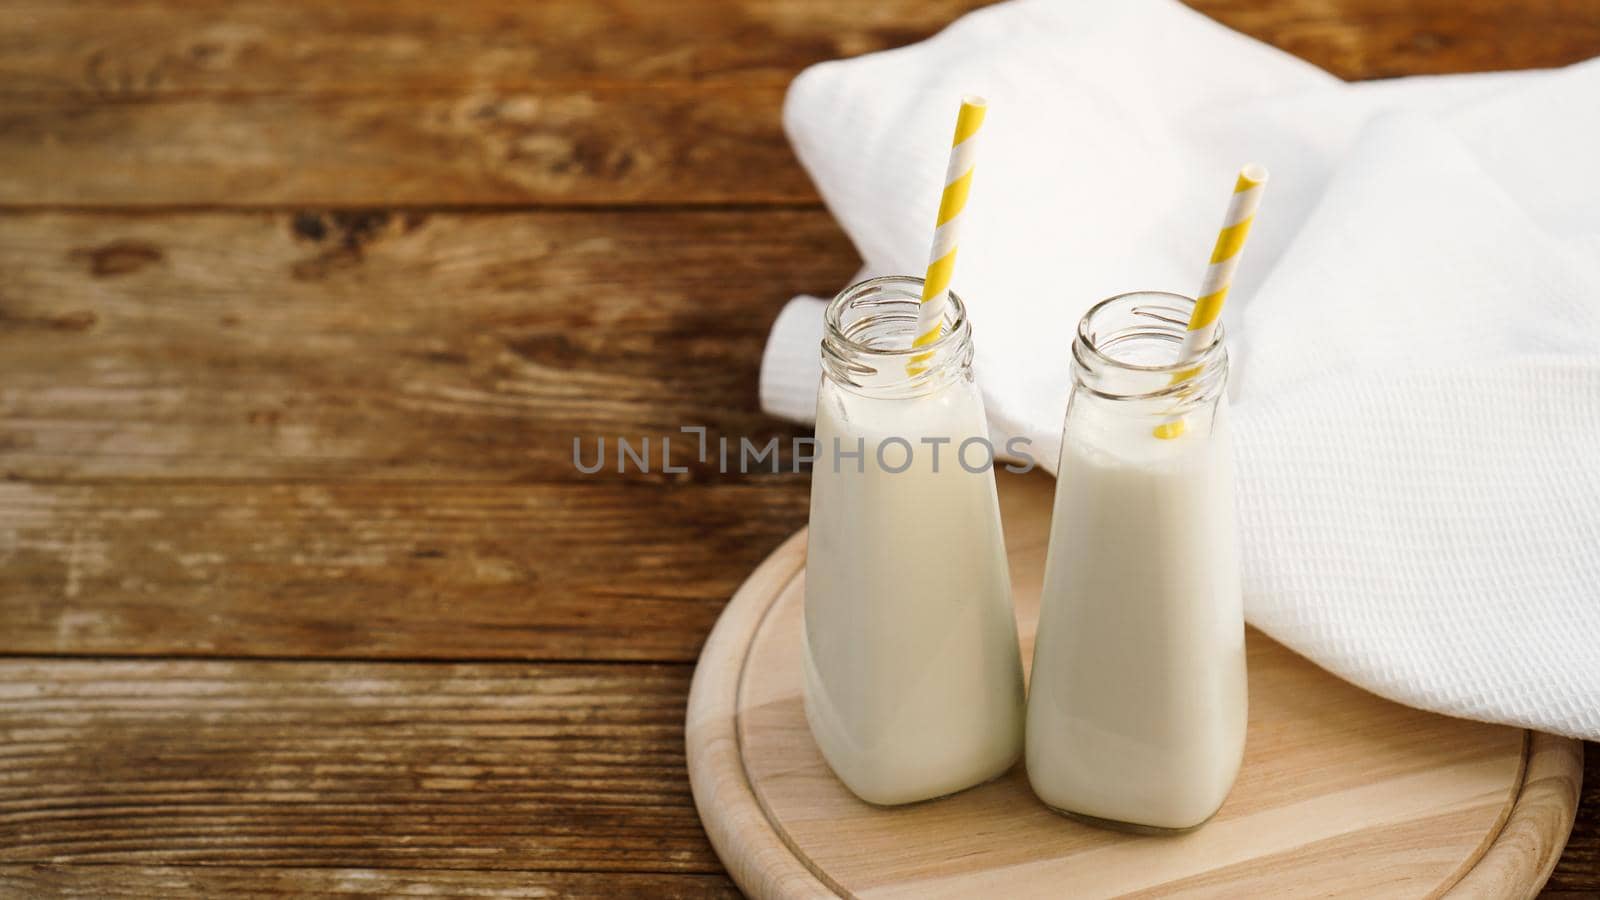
pixel 1522 855
pixel 757 858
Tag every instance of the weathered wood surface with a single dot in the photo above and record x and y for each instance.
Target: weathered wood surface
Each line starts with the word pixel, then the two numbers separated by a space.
pixel 360 346
pixel 294 764
pixel 1579 868
pixel 493 104
pixel 117 882
pixel 106 48
pixel 374 103
pixel 603 571
pixel 283 431
pixel 130 773
pixel 1361 39
pixel 601 145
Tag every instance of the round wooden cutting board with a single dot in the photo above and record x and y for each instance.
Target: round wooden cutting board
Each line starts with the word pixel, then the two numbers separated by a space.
pixel 1341 794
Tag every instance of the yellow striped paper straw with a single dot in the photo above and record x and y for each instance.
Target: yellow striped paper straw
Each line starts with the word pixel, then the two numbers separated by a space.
pixel 1219 276
pixel 942 257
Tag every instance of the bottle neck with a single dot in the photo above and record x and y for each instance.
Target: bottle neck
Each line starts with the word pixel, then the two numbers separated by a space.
pixel 867 334
pixel 1126 352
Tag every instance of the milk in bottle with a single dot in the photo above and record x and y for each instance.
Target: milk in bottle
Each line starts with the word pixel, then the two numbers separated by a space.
pixel 913 680
pixel 1136 709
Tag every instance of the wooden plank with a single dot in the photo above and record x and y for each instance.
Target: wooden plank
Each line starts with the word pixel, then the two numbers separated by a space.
pixel 603 571
pixel 425 766
pixel 113 882
pixel 114 50
pixel 370 345
pixel 372 103
pixel 110 49
pixel 492 104
pixel 1361 39
pixel 594 145
pixel 1578 872
pixel 103 48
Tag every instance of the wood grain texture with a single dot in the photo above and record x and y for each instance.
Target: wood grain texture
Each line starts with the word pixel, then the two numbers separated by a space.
pixel 1341 793
pixel 96 48
pixel 599 145
pixel 292 765
pixel 375 571
pixel 1578 870
pixel 1361 39
pixel 747 842
pixel 381 104
pixel 119 882
pixel 378 345
pixel 1532 842
pixel 485 103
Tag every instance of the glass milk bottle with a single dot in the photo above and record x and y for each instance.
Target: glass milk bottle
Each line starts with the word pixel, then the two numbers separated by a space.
pixel 1136 710
pixel 913 677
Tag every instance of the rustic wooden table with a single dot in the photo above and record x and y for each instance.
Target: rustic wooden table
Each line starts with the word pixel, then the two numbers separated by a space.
pixel 300 312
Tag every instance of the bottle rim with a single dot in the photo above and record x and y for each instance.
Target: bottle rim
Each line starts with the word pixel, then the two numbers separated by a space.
pixel 956 327
pixel 1200 359
pixel 1165 314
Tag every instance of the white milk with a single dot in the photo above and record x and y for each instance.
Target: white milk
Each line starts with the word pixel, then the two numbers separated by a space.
pixel 913 679
pixel 1137 706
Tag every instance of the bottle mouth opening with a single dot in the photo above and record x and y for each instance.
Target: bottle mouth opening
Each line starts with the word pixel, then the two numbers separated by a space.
pixel 888 308
pixel 1128 347
pixel 1159 316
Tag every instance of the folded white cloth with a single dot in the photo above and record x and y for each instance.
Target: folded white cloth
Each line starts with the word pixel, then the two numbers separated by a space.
pixel 1415 329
